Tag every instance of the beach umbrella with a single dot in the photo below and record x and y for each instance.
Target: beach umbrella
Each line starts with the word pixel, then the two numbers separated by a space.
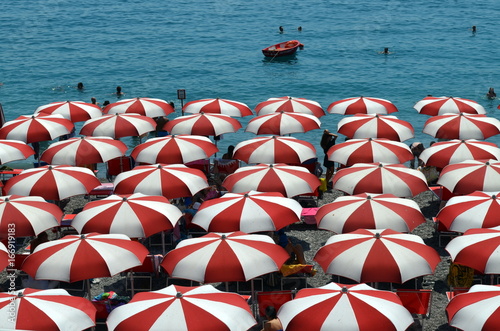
pixel 369 211
pixel 135 215
pixel 362 105
pixel 29 216
pixel 75 111
pixel 289 105
pixel 380 178
pixel 375 126
pixel 118 126
pixel 183 308
pixel 4 257
pixel 344 307
pixel 84 150
pixel 149 107
pixel 35 128
pixel 442 153
pixel 442 105
pixel 462 126
pixel 274 149
pixel 369 150
pixel 469 176
pixel 288 180
pixel 217 106
pixel 249 212
pixel 53 182
pixel 174 149
pixel 203 124
pixel 171 180
pixel 45 310
pixel 13 150
pixel 377 256
pixel 475 210
pixel 224 257
pixel 477 309
pixel 283 123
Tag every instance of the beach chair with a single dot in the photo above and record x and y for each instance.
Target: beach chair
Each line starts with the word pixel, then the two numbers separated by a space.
pixel 140 278
pixel 203 165
pixel 273 298
pixel 118 165
pixel 443 232
pixel 418 303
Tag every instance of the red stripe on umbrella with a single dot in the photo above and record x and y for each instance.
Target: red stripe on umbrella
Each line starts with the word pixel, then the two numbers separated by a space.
pixel 118 126
pixel 289 105
pixel 441 105
pixel 217 106
pixel 149 107
pixel 362 105
pixel 13 150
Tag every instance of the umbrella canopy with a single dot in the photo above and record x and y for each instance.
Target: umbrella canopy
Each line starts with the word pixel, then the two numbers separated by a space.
pixel 75 111
pixel 274 149
pixel 172 181
pixel 53 182
pixel 377 256
pixel 478 309
pixel 288 180
pixel 462 126
pixel 174 149
pixel 84 150
pixel 344 307
pixel 369 211
pixel 149 107
pixel 442 105
pixel 375 126
pixel 370 151
pixel 13 150
pixel 217 106
pixel 183 308
pixel 289 105
pixel 469 176
pixel 203 124
pixel 136 215
pixel 224 257
pixel 28 215
pixel 4 256
pixel 78 257
pixel 362 105
pixel 248 212
pixel 44 310
pixel 35 128
pixel 118 126
pixel 283 123
pixel 442 153
pixel 380 178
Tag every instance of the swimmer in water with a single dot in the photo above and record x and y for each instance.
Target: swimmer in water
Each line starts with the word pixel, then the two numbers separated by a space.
pixel 281 29
pixel 385 51
pixel 491 94
pixel 299 28
pixel 79 86
pixel 119 92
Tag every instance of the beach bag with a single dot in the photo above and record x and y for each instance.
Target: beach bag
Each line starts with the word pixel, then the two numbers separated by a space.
pixel 460 275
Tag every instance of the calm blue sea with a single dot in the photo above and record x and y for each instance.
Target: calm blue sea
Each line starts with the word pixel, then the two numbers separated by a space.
pixel 213 49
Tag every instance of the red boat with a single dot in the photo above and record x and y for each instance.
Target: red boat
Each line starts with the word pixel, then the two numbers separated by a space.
pixel 282 49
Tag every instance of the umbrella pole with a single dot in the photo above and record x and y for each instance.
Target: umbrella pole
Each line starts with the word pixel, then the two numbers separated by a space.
pixel 254 306
pixel 132 290
pixel 163 242
pixel 227 286
pixel 89 295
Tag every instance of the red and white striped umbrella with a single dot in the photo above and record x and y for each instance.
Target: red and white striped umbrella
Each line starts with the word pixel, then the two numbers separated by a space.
pixel 217 106
pixel 136 215
pixel 13 150
pixel 283 123
pixel 369 151
pixel 443 153
pixel 274 149
pixel 84 150
pixel 224 257
pixel 362 105
pixel 174 149
pixel 249 212
pixel 442 105
pixel 183 308
pixel 35 128
pixel 4 257
pixel 462 126
pixel 369 211
pixel 203 124
pixel 344 307
pixel 118 126
pixel 477 309
pixel 289 105
pixel 44 310
pixel 469 176
pixel 149 107
pixel 287 180
pixel 79 257
pixel 375 126
pixel 53 182
pixel 172 181
pixel 29 216
pixel 75 111
pixel 475 210
pixel 380 178
pixel 377 256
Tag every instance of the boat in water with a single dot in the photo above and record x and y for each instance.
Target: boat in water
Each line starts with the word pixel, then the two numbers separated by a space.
pixel 285 48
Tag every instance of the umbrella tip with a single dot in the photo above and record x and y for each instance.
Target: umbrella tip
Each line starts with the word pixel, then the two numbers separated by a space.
pixel 487 163
pixel 345 289
pixel 369 197
pixel 223 236
pixel 376 235
pixel 493 197
pixel 159 166
pixel 82 236
pixel 178 295
pixel 124 199
pixel 20 295
pixel 380 165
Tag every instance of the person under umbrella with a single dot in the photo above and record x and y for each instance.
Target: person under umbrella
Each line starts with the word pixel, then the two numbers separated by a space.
pixel 328 140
